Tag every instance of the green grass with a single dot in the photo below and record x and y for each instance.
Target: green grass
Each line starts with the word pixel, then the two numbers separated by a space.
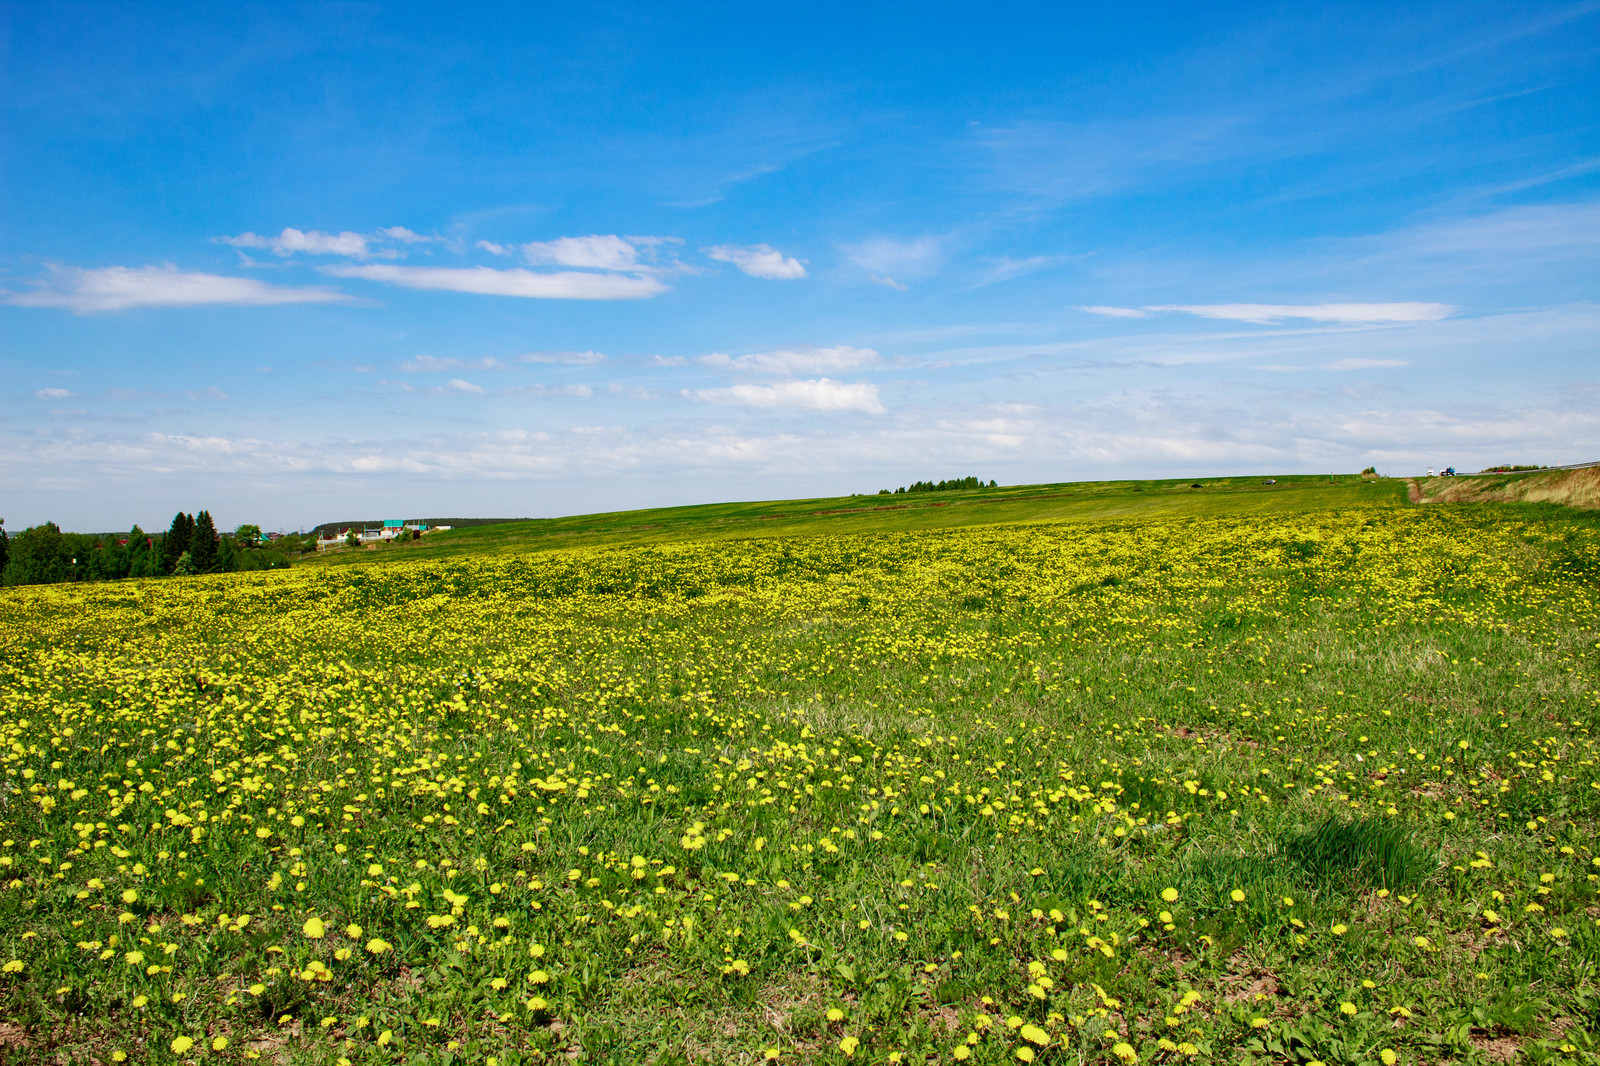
pixel 1006 505
pixel 1276 787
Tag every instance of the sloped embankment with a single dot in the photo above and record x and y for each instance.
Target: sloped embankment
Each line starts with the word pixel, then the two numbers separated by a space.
pixel 1574 488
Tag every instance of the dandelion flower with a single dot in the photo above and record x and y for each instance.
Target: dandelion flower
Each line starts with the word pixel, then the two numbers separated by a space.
pixel 1237 895
pixel 314 929
pixel 182 1044
pixel 1170 895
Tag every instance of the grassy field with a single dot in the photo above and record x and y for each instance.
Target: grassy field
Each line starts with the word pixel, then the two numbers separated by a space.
pixel 1007 505
pixel 1224 774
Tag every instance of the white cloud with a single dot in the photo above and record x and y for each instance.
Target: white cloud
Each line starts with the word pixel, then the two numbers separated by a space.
pixel 758 260
pixel 313 242
pixel 400 233
pixel 120 288
pixel 53 394
pixel 887 282
pixel 486 281
pixel 1115 312
pixel 1342 314
pixel 669 360
pixel 1355 363
pixel 596 252
pixel 788 361
pixel 429 364
pixel 569 358
pixel 819 395
pixel 457 385
pixel 493 248
pixel 631 392
pixel 211 392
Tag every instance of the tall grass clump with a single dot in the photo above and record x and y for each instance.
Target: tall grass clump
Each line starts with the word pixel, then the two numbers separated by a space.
pixel 1360 854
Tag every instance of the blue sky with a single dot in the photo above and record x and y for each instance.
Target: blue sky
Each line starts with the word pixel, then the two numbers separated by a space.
pixel 301 263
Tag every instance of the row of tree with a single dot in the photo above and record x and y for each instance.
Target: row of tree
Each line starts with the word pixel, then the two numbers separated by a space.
pixel 942 486
pixel 43 554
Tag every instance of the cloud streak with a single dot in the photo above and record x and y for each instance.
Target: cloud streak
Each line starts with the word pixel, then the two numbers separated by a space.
pixel 821 394
pixel 312 242
pixel 795 361
pixel 1345 314
pixel 106 289
pixel 526 284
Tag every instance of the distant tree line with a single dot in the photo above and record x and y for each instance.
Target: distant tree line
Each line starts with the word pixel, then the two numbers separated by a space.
pixel 942 486
pixel 43 554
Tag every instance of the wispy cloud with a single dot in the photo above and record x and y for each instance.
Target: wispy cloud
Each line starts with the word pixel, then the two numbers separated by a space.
pixel 786 361
pixel 568 358
pixel 121 288
pixel 819 395
pixel 887 282
pixel 1343 314
pixel 1348 314
pixel 458 385
pixel 758 260
pixel 883 257
pixel 429 364
pixel 551 392
pixel 1005 268
pixel 53 394
pixel 312 242
pixel 1357 363
pixel 494 249
pixel 487 281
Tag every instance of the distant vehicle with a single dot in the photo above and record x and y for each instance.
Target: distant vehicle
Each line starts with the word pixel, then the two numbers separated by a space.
pixel 1270 481
pixel 1448 471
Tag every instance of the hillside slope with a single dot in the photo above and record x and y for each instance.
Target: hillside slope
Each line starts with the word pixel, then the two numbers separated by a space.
pixel 1572 488
pixel 1006 505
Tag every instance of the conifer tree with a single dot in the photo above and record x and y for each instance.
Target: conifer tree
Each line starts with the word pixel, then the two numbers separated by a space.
pixel 176 542
pixel 203 544
pixel 5 545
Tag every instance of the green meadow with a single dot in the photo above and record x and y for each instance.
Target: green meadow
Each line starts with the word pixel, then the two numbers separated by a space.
pixel 1114 773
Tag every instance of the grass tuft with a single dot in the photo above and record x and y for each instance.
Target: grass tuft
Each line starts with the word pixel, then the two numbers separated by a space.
pixel 1360 854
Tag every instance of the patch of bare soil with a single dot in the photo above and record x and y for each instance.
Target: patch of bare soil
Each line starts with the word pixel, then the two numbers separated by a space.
pixel 1497 1048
